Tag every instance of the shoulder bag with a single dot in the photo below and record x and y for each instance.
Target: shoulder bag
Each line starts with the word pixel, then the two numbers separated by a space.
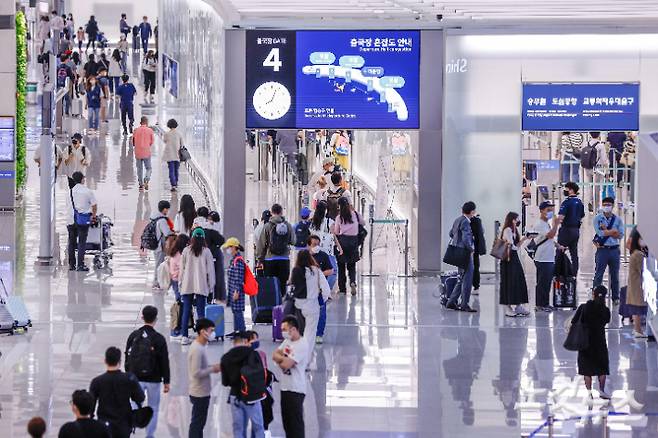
pixel 578 335
pixel 500 249
pixel 79 218
pixel 456 255
pixel 532 246
pixel 184 154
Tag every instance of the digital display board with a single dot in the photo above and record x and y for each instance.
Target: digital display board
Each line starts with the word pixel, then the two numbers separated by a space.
pixel 581 107
pixel 333 79
pixel 7 134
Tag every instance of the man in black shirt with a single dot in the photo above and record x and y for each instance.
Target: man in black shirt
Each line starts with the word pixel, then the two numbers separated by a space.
pixel 147 358
pixel 112 392
pixel 82 405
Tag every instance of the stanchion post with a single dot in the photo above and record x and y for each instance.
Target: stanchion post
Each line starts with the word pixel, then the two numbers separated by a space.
pixel 370 244
pixel 496 233
pixel 550 421
pixel 406 248
pixel 605 424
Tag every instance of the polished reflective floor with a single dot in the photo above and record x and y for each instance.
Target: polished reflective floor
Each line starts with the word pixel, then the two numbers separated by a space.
pixel 394 363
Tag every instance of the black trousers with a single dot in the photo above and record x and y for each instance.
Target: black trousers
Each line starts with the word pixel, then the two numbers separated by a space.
pixel 345 269
pixel 77 240
pixel 569 236
pixel 149 81
pixel 119 430
pixel 292 414
pixel 279 269
pixel 476 271
pixel 127 111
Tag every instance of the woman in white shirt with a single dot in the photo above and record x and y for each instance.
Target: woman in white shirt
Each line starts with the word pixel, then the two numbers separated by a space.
pixel 149 67
pixel 308 283
pixel 513 288
pixel 322 226
pixel 173 141
pixel 114 72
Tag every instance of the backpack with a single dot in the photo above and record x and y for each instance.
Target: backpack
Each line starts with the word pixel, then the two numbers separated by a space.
pixel 332 199
pixel 250 285
pixel 588 156
pixel 84 151
pixel 302 233
pixel 279 238
pixel 150 235
pixel 62 74
pixel 139 356
pixel 253 379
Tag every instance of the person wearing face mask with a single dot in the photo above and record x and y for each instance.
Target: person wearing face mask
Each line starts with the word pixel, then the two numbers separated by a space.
pixel 292 358
pixel 93 105
pixel 513 288
pixel 546 229
pixel 635 303
pixel 244 407
pixel 609 230
pixel 199 371
pixel 461 235
pixel 235 298
pixel 571 214
pixel 76 157
pixel 328 266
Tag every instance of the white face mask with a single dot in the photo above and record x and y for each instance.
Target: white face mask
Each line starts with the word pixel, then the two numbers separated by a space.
pixel 286 335
pixel 315 249
pixel 549 215
pixel 211 335
pixel 607 209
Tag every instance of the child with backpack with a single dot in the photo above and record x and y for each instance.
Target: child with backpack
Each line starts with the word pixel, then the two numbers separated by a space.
pixel 302 229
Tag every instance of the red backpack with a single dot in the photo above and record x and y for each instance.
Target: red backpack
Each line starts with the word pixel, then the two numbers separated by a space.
pixel 250 284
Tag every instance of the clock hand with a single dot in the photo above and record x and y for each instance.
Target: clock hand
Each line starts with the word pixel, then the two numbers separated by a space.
pixel 273 96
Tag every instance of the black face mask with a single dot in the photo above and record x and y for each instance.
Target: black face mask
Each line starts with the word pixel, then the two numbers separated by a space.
pixel 566 192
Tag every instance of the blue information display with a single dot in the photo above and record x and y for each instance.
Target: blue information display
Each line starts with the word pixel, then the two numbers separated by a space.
pixel 581 107
pixel 7 135
pixel 333 79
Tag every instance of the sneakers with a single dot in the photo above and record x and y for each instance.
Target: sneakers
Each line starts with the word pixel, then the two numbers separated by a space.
pixel 467 308
pixel 146 185
pixel 452 306
pixel 83 268
pixel 173 188
pixel 175 337
pixel 185 340
pixel 318 340
pixel 353 288
pixel 638 335
pixel 604 395
pixel 141 188
pixel 125 131
pixel 155 286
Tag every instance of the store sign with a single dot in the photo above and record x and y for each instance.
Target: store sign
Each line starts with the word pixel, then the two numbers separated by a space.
pixel 333 79
pixel 7 133
pixel 580 107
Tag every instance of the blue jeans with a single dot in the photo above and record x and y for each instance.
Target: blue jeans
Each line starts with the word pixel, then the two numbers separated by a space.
pixel 143 163
pixel 242 413
pixel 127 111
pixel 322 322
pixel 66 102
pixel 607 258
pixel 173 172
pixel 200 302
pixel 238 321
pixel 464 287
pixel 570 172
pixel 145 44
pixel 93 114
pixel 152 391
pixel 124 62
pixel 199 416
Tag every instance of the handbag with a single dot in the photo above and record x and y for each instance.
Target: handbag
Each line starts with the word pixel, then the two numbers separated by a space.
pixel 184 154
pixel 457 256
pixel 578 335
pixel 500 249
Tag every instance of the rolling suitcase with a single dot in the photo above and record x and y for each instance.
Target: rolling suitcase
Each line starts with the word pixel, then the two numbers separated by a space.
pixel 448 282
pixel 6 320
pixel 564 293
pixel 16 309
pixel 277 318
pixel 267 298
pixel 215 313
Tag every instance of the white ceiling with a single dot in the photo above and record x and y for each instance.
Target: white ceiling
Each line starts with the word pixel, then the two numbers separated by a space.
pixel 454 12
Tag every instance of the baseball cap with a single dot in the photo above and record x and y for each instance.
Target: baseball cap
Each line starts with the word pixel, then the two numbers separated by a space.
pixel 232 241
pixel 545 205
pixel 198 232
pixel 305 213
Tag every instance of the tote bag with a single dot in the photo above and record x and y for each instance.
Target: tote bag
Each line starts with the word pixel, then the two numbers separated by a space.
pixel 578 335
pixel 500 249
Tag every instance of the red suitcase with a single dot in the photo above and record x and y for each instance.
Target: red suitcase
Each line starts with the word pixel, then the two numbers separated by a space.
pixel 277 318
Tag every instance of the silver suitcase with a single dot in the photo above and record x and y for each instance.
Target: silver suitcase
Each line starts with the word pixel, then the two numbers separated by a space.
pixel 76 107
pixel 17 310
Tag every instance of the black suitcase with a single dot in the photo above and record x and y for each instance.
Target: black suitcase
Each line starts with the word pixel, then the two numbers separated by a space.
pixel 564 293
pixel 448 282
pixel 269 296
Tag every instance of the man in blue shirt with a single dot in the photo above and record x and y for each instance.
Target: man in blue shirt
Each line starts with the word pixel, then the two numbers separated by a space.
pixel 127 93
pixel 145 33
pixel 571 214
pixel 609 230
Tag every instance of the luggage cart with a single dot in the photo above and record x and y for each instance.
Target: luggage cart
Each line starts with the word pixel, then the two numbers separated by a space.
pixel 99 241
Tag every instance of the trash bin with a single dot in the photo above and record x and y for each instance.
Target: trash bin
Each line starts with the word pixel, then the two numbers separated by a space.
pixel 31 89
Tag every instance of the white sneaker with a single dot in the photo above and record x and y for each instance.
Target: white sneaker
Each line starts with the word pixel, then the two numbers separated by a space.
pixel 176 338
pixel 185 341
pixel 638 335
pixel 604 395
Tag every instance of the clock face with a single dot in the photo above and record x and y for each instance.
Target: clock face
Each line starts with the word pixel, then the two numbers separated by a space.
pixel 272 100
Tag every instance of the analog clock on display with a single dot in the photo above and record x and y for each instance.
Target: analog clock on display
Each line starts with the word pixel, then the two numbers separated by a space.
pixel 272 100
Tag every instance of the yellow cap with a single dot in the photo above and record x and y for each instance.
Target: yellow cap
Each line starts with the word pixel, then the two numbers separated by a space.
pixel 232 241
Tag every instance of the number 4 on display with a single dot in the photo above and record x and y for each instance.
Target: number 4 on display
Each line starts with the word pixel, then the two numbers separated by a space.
pixel 272 60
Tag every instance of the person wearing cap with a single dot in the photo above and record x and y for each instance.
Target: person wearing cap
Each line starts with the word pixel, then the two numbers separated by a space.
pixel 302 231
pixel 235 298
pixel 196 278
pixel 83 203
pixel 77 157
pixel 609 229
pixel 546 229
pixel 328 167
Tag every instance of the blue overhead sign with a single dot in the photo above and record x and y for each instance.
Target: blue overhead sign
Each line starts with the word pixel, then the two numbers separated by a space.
pixel 581 107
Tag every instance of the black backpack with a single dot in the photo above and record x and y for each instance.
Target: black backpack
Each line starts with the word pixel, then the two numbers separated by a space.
pixel 332 201
pixel 253 379
pixel 140 356
pixel 302 233
pixel 150 235
pixel 588 156
pixel 62 74
pixel 279 238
